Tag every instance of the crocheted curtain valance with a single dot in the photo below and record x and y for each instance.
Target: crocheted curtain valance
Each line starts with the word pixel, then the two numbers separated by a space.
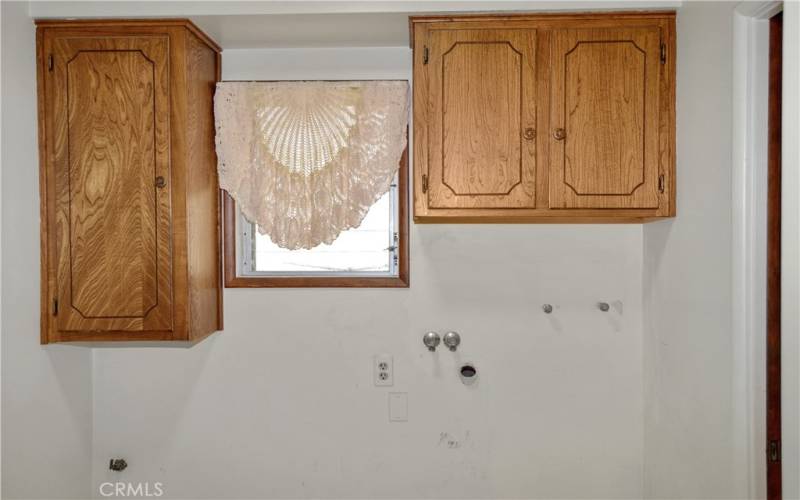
pixel 306 160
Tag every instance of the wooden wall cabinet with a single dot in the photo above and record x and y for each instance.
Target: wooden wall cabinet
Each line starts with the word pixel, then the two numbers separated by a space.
pixel 544 118
pixel 129 192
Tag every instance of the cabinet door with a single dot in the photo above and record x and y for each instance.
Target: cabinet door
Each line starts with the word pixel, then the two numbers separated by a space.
pixel 482 118
pixel 108 106
pixel 604 117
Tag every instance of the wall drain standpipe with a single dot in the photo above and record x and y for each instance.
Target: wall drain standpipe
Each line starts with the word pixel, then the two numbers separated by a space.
pixel 468 374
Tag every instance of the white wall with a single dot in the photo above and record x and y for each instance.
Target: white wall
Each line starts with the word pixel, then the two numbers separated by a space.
pixel 281 404
pixel 691 431
pixel 46 400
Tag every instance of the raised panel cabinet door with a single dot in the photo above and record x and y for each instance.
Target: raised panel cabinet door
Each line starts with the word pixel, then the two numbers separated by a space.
pixel 482 118
pixel 604 118
pixel 109 109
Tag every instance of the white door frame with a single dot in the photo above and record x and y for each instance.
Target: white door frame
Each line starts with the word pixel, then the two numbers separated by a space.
pixel 749 200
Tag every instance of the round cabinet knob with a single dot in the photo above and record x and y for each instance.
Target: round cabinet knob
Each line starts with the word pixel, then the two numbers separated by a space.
pixel 603 306
pixel 160 182
pixel 529 134
pixel 451 340
pixel 560 134
pixel 431 340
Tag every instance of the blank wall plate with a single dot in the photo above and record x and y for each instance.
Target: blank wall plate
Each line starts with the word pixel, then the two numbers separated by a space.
pixel 398 407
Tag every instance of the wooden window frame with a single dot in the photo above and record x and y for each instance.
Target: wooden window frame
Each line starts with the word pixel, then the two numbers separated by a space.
pixel 233 280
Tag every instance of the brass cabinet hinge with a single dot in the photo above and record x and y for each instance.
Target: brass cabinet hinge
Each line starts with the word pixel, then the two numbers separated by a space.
pixel 663 53
pixel 661 183
pixel 50 62
pixel 425 55
pixel 55 307
pixel 424 183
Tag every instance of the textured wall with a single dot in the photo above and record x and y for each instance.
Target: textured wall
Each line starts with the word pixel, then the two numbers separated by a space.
pixel 47 406
pixel 282 404
pixel 690 427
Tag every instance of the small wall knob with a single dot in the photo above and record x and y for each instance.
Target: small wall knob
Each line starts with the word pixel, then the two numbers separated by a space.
pixel 431 340
pixel 603 306
pixel 451 340
pixel 560 134
pixel 547 308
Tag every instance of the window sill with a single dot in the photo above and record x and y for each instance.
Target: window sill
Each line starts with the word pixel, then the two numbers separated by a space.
pixel 315 282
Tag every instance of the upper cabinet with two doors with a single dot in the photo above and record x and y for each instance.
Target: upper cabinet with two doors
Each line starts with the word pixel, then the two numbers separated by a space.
pixel 544 118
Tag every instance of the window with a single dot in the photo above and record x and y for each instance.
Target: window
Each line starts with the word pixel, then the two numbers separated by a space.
pixel 375 254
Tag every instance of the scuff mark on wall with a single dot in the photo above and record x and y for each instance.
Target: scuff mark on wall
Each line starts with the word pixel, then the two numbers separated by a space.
pixel 447 440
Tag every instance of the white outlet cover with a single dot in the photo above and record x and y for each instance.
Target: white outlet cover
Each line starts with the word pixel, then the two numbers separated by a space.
pixel 383 370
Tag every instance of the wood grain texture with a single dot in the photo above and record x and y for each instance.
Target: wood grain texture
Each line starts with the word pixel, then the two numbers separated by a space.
pixel 544 20
pixel 111 130
pixel 666 132
pixel 116 26
pixel 603 104
pixel 774 196
pixel 202 197
pixel 108 113
pixel 605 98
pixel 112 165
pixel 480 84
pixel 232 280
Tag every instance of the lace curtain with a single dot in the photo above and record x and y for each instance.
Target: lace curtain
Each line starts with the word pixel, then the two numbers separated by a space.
pixel 306 160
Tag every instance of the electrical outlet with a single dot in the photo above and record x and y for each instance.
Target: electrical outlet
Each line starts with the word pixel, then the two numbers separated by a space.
pixel 383 370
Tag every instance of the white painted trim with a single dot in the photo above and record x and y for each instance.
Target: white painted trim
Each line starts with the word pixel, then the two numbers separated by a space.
pixel 790 254
pixel 759 10
pixel 749 195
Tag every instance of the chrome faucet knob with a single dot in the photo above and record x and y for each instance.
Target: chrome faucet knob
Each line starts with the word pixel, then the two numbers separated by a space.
pixel 451 340
pixel 431 340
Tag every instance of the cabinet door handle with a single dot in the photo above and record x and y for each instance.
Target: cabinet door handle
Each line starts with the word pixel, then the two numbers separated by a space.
pixel 559 134
pixel 529 134
pixel 160 182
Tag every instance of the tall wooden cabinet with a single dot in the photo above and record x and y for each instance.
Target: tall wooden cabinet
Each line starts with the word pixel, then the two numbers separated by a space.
pixel 129 192
pixel 544 118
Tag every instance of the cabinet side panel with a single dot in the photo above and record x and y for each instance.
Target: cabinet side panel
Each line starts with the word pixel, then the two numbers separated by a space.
pixel 179 177
pixel 202 193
